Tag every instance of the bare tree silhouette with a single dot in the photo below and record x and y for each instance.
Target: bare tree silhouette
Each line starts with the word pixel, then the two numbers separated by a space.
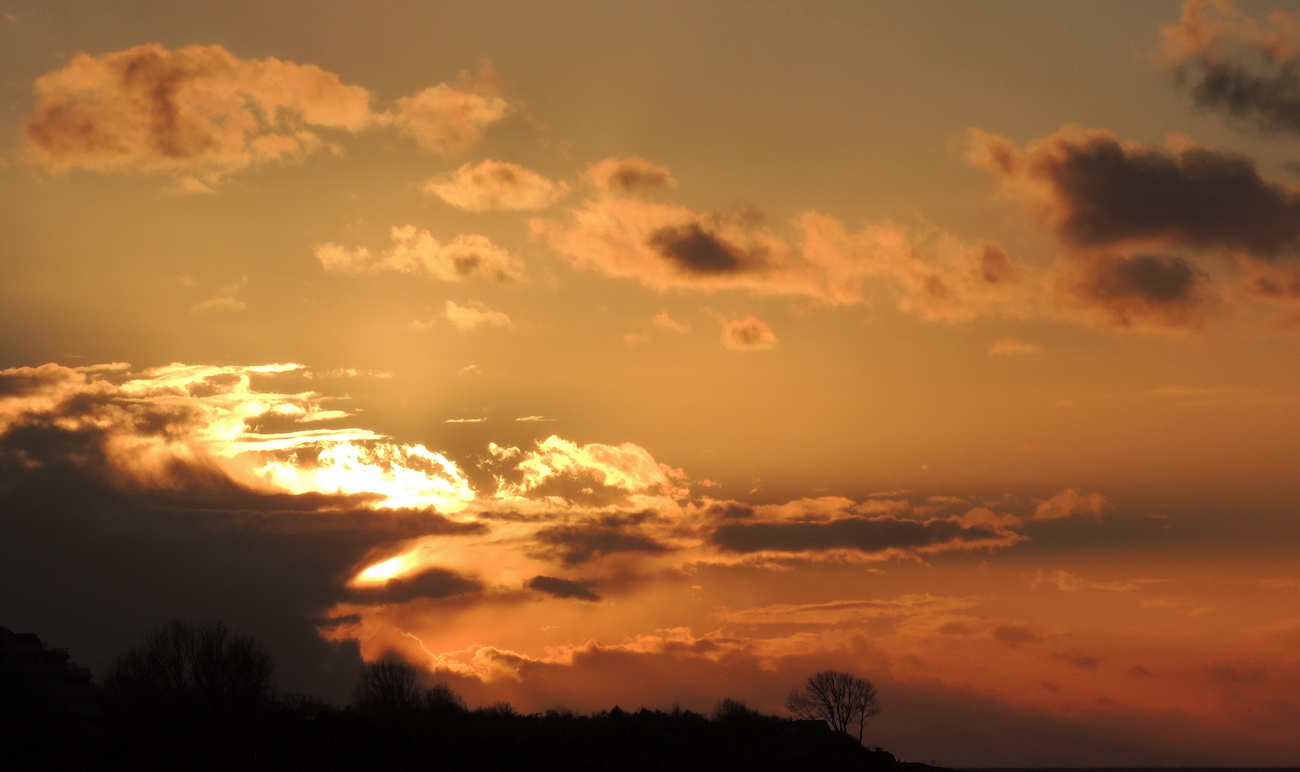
pixel 840 699
pixel 187 665
pixel 388 687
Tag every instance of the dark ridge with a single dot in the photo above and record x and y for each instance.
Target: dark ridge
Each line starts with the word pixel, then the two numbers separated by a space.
pixel 198 697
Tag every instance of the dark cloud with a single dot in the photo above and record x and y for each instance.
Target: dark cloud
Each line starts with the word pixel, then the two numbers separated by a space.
pixel 1268 100
pixel 562 588
pixel 1232 674
pixel 629 176
pixel 695 251
pixel 1154 290
pixel 857 533
pixel 1198 197
pixel 729 510
pixel 1085 661
pixel 582 543
pixel 1013 635
pixel 1236 65
pixel 1101 192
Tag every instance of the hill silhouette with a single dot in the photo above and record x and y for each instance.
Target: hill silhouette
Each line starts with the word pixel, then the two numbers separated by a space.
pixel 154 713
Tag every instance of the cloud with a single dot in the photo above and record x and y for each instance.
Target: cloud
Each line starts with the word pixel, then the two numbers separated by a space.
pixel 1096 191
pixel 693 250
pixel 562 588
pixel 747 334
pixel 446 120
pixel 583 543
pixel 1014 635
pixel 416 251
pixel 183 426
pixel 426 583
pixel 1010 347
pixel 1236 65
pixel 1067 582
pixel 878 537
pixel 201 108
pixel 663 321
pixel 1153 291
pixel 223 304
pixel 469 317
pixel 666 247
pixel 560 467
pixel 845 612
pixel 495 186
pixel 1068 503
pixel 200 113
pixel 629 176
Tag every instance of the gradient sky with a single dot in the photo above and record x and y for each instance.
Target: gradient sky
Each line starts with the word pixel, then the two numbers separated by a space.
pixel 592 353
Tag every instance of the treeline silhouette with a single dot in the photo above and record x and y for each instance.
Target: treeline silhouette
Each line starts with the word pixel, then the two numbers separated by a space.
pixel 198 697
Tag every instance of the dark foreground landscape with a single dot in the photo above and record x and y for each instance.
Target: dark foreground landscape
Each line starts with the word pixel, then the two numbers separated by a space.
pixel 183 701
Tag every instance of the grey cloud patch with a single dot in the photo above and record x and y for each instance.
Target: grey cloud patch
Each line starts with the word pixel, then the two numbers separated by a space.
pixel 1198 197
pixel 576 544
pixel 1267 100
pixel 693 250
pixel 562 588
pixel 1163 290
pixel 857 533
pixel 1097 191
pixel 1014 635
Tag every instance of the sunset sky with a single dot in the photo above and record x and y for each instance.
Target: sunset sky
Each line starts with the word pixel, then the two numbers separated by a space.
pixel 594 353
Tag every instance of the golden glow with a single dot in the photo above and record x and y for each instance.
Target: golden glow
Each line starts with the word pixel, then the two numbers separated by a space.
pixel 404 476
pixel 385 570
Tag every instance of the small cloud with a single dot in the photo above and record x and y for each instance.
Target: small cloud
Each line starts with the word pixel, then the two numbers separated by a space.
pixel 219 305
pixel 629 176
pixel 444 119
pixel 747 334
pixel 465 420
pixel 1280 585
pixel 1013 635
pixel 469 317
pixel 1010 347
pixel 562 588
pixel 495 186
pixel 416 251
pixel 1068 503
pixel 534 419
pixel 190 185
pixel 663 321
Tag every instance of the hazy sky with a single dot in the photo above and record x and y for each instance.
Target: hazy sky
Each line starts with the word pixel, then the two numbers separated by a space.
pixel 593 353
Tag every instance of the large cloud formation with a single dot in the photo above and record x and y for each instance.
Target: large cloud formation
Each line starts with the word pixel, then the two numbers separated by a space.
pixel 203 113
pixel 1096 191
pixel 666 247
pixel 495 186
pixel 416 251
pixel 133 495
pixel 1151 237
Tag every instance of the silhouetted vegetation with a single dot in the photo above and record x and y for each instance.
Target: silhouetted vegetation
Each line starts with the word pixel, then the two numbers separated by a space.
pixel 842 700
pixel 197 697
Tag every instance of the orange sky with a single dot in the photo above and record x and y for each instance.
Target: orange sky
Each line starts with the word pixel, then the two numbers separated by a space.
pixel 587 355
